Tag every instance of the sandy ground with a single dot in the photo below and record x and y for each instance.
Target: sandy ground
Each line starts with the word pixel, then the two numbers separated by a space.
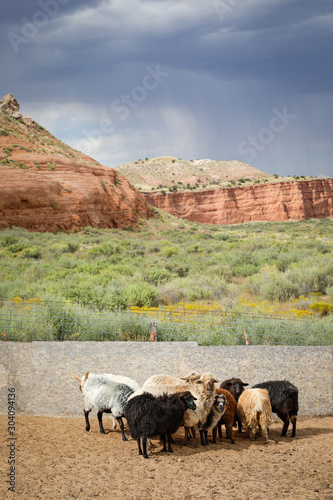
pixel 58 459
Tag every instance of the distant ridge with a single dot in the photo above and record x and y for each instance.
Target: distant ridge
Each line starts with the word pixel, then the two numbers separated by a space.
pixel 167 171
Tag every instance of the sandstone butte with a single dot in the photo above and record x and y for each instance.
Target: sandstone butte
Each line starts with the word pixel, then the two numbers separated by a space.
pixel 47 186
pixel 279 201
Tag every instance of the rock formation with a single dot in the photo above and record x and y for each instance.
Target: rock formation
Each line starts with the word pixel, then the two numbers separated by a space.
pixel 47 186
pixel 279 201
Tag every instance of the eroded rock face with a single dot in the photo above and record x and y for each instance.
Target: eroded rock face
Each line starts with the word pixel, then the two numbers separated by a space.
pixel 47 186
pixel 271 202
pixel 70 197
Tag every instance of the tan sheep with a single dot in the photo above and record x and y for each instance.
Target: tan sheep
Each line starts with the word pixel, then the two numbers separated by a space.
pixel 169 380
pixel 255 411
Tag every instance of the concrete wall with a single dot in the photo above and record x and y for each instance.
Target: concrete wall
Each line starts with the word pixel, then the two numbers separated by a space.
pixel 40 372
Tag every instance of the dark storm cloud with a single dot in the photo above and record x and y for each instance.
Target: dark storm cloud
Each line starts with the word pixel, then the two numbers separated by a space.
pixel 230 63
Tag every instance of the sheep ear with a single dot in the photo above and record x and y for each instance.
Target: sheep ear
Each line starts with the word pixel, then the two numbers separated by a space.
pixel 85 377
pixel 215 381
pixel 245 384
pixel 229 384
pixel 199 382
pixel 77 378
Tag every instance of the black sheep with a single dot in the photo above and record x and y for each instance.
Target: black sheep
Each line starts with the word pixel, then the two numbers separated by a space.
pixel 148 416
pixel 235 386
pixel 284 400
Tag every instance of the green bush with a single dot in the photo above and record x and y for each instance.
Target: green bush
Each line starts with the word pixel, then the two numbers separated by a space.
pixel 321 308
pixel 31 253
pixel 158 275
pixel 140 294
pixel 169 251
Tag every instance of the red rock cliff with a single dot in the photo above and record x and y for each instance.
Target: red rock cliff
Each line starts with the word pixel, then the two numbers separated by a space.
pixel 270 202
pixel 45 185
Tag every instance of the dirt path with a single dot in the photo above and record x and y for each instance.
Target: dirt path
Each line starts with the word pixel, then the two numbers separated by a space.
pixel 58 459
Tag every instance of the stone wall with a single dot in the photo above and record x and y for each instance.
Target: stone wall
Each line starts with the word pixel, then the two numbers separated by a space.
pixel 40 372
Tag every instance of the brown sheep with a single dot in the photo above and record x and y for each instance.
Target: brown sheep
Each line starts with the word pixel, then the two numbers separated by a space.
pixel 235 386
pixel 228 416
pixel 255 411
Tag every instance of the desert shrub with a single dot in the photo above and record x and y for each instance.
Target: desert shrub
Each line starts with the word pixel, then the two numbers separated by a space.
pixel 221 270
pixel 321 308
pixel 8 240
pixel 31 253
pixel 245 269
pixel 158 275
pixel 169 294
pixel 59 248
pixel 17 247
pixel 180 270
pixel 195 248
pixel 140 294
pixel 169 251
pixel 79 292
pixel 105 249
pixel 279 288
pixel 312 278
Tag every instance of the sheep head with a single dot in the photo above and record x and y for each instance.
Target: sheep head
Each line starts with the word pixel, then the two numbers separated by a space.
pixel 191 376
pixel 208 382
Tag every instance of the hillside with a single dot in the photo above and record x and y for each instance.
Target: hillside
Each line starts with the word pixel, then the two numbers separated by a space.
pixel 281 201
pixel 46 185
pixel 169 172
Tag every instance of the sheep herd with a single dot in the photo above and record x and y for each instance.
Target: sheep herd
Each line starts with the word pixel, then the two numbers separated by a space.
pixel 165 403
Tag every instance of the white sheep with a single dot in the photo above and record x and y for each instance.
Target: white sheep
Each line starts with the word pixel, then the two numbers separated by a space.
pixel 107 393
pixel 255 411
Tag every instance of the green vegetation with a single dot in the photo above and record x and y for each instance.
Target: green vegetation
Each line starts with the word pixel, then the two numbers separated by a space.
pixel 283 269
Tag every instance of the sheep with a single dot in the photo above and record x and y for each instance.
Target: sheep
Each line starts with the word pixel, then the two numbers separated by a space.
pixel 203 389
pixel 235 386
pixel 284 400
pixel 169 380
pixel 148 416
pixel 228 416
pixel 255 411
pixel 216 412
pixel 108 393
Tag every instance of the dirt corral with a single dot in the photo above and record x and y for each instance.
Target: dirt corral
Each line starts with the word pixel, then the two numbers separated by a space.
pixel 57 459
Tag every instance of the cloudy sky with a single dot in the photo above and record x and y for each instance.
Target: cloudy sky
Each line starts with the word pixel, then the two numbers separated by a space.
pixel 248 80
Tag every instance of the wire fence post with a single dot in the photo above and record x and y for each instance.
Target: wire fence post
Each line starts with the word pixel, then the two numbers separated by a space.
pixel 153 331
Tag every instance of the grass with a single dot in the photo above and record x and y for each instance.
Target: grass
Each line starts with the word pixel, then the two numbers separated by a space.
pixel 280 269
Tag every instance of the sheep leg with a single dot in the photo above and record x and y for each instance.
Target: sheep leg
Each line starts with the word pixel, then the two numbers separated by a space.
pixel 186 438
pixel 285 424
pixel 86 416
pixel 144 446
pixel 206 437
pixel 202 438
pixel 219 428
pixel 139 445
pixel 230 432
pixel 293 419
pixel 100 416
pixel 121 424
pixel 194 437
pixel 215 433
pixel 240 425
pixel 164 442
pixel 170 440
